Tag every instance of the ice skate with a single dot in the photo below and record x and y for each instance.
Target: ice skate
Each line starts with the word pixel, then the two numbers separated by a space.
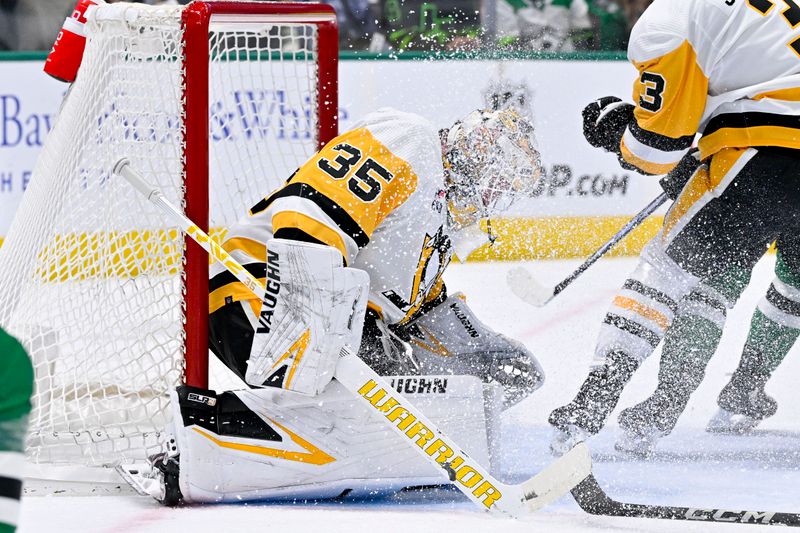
pixel 638 442
pixel 159 477
pixel 744 415
pixel 573 423
pixel 587 413
pixel 743 404
pixel 564 439
pixel 725 421
pixel 644 424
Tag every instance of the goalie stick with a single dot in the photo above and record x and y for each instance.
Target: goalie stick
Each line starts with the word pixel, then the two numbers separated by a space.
pixel 592 499
pixel 532 292
pixel 407 421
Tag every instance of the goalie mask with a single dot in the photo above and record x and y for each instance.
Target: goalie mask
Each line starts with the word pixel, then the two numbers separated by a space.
pixel 491 162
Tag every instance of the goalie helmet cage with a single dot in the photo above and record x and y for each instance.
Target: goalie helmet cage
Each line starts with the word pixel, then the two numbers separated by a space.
pixel 216 103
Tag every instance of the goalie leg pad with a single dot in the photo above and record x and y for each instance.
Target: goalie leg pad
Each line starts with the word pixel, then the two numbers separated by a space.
pixel 264 444
pixel 311 309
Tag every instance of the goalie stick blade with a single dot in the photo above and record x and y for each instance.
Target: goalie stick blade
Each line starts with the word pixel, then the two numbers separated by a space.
pixel 558 478
pixel 593 499
pixel 527 289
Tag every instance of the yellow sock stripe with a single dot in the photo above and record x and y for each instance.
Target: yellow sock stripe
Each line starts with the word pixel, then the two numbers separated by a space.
pixel 647 312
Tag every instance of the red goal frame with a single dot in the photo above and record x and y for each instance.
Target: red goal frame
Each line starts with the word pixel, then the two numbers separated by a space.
pixel 196 20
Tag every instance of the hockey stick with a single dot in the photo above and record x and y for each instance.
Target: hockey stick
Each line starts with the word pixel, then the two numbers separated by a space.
pixel 532 292
pixel 592 499
pixel 404 419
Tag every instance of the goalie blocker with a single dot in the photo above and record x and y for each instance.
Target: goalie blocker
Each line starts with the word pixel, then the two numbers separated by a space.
pixel 312 307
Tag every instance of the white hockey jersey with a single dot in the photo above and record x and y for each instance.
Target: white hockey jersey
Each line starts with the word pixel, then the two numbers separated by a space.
pixel 729 69
pixel 376 194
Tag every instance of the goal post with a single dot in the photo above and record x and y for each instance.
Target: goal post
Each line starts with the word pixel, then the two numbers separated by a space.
pixel 217 103
pixel 197 20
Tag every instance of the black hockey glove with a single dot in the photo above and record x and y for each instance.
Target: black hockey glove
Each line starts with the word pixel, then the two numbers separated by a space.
pixel 674 182
pixel 604 122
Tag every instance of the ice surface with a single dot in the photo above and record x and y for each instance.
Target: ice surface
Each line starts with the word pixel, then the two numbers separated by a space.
pixel 690 467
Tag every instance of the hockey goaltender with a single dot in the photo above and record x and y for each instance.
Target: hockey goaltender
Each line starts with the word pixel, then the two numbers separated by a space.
pixel 351 251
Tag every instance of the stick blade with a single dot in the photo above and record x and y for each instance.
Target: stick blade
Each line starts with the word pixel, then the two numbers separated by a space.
pixel 527 289
pixel 560 477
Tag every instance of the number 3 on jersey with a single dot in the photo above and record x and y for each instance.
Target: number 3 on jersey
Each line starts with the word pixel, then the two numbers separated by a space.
pixel 365 182
pixel 654 85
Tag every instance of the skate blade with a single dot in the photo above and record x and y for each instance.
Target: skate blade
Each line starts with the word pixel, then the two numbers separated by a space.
pixel 142 479
pixel 564 441
pixel 731 423
pixel 638 446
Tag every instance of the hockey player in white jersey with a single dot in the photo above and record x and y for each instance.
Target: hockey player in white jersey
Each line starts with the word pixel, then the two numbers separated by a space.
pixel 351 250
pixel 731 72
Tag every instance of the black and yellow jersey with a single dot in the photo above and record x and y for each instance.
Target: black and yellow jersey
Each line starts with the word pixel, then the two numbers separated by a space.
pixel 376 194
pixel 728 69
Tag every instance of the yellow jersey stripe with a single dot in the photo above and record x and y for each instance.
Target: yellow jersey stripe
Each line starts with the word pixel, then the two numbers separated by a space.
pixel 367 214
pixel 323 233
pixel 791 94
pixel 254 249
pixel 748 137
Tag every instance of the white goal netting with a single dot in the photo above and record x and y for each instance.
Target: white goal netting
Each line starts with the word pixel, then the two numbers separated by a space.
pixel 91 276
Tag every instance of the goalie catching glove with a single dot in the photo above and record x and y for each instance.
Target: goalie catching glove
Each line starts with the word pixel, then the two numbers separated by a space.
pixel 450 340
pixel 311 309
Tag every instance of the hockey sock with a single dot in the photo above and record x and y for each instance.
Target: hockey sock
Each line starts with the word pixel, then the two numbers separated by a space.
pixel 16 387
pixel 771 340
pixel 773 331
pixel 688 347
pixel 775 325
pixel 767 345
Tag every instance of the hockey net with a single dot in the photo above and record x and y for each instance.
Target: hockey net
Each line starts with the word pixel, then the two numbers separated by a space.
pixel 217 103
